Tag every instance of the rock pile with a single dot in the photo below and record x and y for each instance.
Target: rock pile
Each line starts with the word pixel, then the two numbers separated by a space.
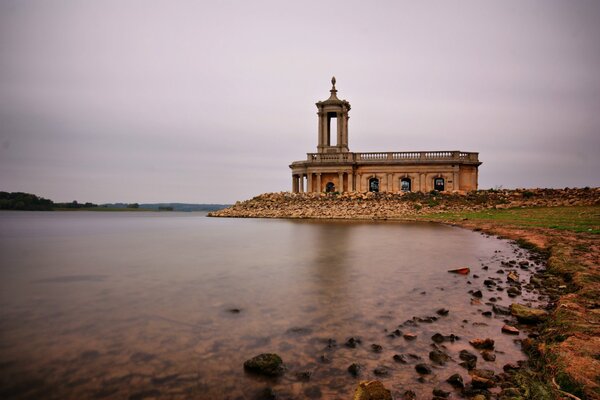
pixel 356 205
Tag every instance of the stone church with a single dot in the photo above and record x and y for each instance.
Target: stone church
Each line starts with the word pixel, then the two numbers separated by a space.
pixel 333 168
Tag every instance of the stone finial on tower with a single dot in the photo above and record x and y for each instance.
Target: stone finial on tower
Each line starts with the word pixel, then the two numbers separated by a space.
pixel 333 90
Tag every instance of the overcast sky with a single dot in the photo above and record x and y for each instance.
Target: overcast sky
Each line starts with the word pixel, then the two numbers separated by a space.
pixel 197 101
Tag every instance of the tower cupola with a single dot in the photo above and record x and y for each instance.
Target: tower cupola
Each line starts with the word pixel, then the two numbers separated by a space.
pixel 333 123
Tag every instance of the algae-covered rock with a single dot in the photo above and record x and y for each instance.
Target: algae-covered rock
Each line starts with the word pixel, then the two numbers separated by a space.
pixel 528 315
pixel 269 364
pixel 372 390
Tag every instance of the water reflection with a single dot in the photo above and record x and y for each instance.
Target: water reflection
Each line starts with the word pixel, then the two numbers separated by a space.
pixel 136 304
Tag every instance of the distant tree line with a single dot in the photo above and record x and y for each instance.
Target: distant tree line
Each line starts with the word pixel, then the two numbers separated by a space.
pixel 31 202
pixel 75 204
pixel 27 201
pixel 24 201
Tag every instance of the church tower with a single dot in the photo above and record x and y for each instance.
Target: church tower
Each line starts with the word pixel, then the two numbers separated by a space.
pixel 333 123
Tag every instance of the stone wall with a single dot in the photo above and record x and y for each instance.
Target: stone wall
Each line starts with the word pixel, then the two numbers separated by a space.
pixel 401 205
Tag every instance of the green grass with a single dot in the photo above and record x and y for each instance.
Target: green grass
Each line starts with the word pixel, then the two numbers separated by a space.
pixel 577 219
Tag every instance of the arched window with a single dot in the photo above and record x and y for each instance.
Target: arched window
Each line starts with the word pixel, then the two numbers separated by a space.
pixel 438 184
pixel 405 184
pixel 373 185
pixel 330 187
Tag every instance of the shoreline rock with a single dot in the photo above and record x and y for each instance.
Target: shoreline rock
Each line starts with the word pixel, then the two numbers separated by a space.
pixel 382 206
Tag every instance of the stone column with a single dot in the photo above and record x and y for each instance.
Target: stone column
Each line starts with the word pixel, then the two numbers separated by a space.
pixel 294 184
pixel 301 190
pixel 341 177
pixel 421 182
pixel 359 183
pixel 340 127
pixel 309 186
pixel 350 182
pixel 390 184
pixel 320 138
pixel 319 190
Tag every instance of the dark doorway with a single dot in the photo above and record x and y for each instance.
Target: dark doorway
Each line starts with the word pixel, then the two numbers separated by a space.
pixel 405 185
pixel 373 185
pixel 438 184
pixel 330 187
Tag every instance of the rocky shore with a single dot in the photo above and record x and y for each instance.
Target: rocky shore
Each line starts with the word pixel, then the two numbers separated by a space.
pixel 563 342
pixel 401 205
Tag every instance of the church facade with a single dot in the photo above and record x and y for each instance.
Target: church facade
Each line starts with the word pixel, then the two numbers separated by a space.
pixel 333 168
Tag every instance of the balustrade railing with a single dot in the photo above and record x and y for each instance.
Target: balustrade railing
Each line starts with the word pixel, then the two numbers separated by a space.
pixel 416 156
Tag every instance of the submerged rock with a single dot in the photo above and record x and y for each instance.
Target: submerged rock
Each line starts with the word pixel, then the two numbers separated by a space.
pixel 456 380
pixel 470 359
pixel 354 369
pixel 376 348
pixel 269 364
pixel 487 343
pixel 498 309
pixel 438 357
pixel 528 315
pixel 399 358
pixel 440 393
pixel 352 342
pixel 372 390
pixel 423 369
pixel 488 355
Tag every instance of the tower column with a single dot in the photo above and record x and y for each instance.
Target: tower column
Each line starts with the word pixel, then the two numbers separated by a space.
pixel 309 187
pixel 301 189
pixel 350 182
pixel 341 178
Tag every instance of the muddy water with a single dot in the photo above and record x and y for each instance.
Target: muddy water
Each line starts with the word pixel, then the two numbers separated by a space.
pixel 143 305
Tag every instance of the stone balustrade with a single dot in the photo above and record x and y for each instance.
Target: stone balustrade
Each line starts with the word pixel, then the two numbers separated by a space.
pixel 408 156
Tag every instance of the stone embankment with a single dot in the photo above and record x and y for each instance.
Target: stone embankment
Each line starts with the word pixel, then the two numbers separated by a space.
pixel 401 205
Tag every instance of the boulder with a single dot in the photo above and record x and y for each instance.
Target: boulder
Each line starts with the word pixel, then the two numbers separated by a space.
pixel 528 315
pixel 268 364
pixel 372 390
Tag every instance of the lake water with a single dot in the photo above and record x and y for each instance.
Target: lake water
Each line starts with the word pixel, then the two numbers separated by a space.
pixel 137 305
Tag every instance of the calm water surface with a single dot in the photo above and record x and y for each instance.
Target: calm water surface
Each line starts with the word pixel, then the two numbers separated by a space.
pixel 138 305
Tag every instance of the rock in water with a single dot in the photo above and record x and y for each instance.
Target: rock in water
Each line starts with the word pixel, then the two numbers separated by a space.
pixel 487 344
pixel 423 369
pixel 470 359
pixel 372 390
pixel 438 356
pixel 456 380
pixel 268 364
pixel 527 315
pixel 511 330
pixel 461 271
pixel 354 369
